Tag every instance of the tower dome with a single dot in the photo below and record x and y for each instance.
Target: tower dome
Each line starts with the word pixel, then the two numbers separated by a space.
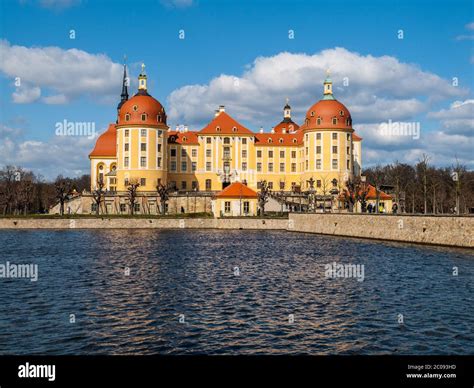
pixel 328 113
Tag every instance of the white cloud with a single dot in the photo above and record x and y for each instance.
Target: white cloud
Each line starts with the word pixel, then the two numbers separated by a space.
pixel 458 119
pixel 378 88
pixel 67 155
pixel 58 75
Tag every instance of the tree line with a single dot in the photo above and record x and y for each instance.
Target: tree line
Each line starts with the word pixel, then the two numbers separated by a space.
pixel 419 188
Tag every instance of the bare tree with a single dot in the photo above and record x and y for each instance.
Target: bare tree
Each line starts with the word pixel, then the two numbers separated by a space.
pixel 163 192
pixel 63 188
pixel 263 196
pixel 422 168
pixel 98 195
pixel 132 187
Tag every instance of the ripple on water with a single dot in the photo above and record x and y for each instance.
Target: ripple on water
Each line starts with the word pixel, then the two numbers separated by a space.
pixel 182 296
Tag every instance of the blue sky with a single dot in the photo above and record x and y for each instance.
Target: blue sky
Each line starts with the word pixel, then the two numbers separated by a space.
pixel 243 40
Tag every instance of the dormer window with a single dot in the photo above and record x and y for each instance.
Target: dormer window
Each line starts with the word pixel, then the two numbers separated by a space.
pixel 159 118
pixel 218 129
pixel 281 140
pixel 341 113
pixel 143 116
pixel 234 129
pixel 312 114
pixel 127 117
pixel 135 108
pixel 318 121
pixel 270 140
pixel 184 138
pixel 294 141
pixel 334 120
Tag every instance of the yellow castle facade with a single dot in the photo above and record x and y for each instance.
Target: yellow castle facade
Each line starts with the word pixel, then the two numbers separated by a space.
pixel 323 152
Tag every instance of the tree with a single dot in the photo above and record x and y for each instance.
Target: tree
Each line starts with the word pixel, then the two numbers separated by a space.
pixel 163 193
pixel 63 188
pixel 132 188
pixel 263 196
pixel 422 168
pixel 98 195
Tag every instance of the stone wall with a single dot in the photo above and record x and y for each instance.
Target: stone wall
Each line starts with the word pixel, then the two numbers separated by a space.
pixel 440 230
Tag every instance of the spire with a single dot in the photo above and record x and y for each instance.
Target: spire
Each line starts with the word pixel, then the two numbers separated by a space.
pixel 328 87
pixel 287 110
pixel 142 79
pixel 125 82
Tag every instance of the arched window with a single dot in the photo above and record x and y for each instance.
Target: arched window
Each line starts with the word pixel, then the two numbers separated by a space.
pixel 234 129
pixel 334 120
pixel 281 140
pixel 318 121
pixel 135 108
pixel 143 116
pixel 218 129
pixel 312 114
pixel 341 113
pixel 270 140
pixel 127 117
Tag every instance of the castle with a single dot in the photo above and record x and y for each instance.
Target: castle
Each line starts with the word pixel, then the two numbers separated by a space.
pixel 141 147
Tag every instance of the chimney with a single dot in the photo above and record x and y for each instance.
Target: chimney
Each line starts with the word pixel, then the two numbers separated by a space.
pixel 273 130
pixel 216 113
pixel 284 130
pixel 221 108
pixel 185 128
pixel 261 129
pixel 177 128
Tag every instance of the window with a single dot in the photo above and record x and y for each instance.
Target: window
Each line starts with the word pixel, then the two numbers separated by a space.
pixel 293 167
pixel 127 133
pixel 226 152
pixel 158 118
pixel 227 206
pixel 184 166
pixel 183 185
pixel 143 132
pixel 306 151
pixel 194 185
pixel 282 167
pixel 348 137
pixel 259 153
pixel 318 149
pixel 123 208
pixel 348 165
pixel 307 164
pixel 270 167
pixel 318 183
pixel 270 185
pixel 183 152
pixel 208 140
pixel 135 108
pixel 125 161
pixel 93 207
pixel 334 164
pixel 270 140
pixel 208 153
pixel 226 140
pixel 143 147
pixel 142 181
pixel 173 165
pixel 137 207
pixel 244 140
pixel 341 113
pixel 194 152
pixel 293 154
pixel 334 120
pixel 143 161
pixel 282 154
pixel 208 166
pixel 318 121
pixel 127 147
pixel 244 166
pixel 159 133
pixel 173 152
pixel 334 149
pixel 159 147
pixel 158 162
pixel 143 116
pixel 127 117
pixel 270 154
pixel 244 153
pixel 246 207
pixel 334 136
pixel 318 164
pixel 259 167
pixel 282 185
pixel 348 150
pixel 208 184
pixel 193 166
pixel 318 136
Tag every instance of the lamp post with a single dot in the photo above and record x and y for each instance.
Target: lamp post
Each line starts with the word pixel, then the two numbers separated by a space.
pixel 311 195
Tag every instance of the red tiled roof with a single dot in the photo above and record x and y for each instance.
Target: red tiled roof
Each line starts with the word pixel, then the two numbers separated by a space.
pixel 184 138
pixel 226 125
pixel 355 137
pixel 327 110
pixel 278 139
pixel 237 190
pixel 286 125
pixel 142 104
pixel 371 194
pixel 106 143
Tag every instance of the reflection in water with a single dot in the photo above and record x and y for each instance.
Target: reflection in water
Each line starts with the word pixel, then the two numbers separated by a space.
pixel 189 275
